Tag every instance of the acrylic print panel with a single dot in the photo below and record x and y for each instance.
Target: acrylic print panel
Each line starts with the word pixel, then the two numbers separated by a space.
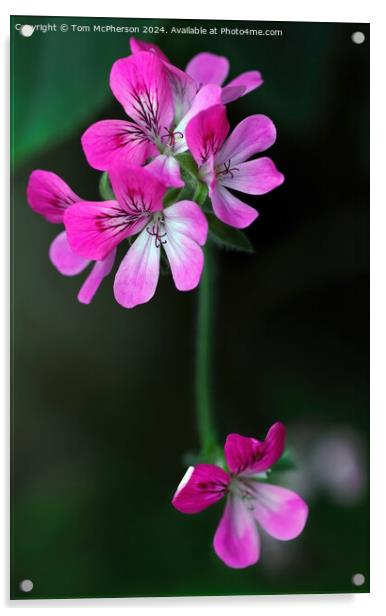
pixel 190 307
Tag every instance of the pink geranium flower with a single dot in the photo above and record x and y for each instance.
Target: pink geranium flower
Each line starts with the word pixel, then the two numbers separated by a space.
pixel 208 68
pixel 160 99
pixel 94 229
pixel 223 163
pixel 50 196
pixel 250 500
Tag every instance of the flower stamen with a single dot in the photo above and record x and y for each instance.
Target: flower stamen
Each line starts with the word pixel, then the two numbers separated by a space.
pixel 228 170
pixel 155 231
pixel 171 136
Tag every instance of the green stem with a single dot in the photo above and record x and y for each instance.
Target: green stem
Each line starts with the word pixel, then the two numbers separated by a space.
pixel 204 357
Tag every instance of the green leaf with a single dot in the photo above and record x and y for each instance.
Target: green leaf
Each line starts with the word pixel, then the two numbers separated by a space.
pixel 228 237
pixel 105 190
pixel 60 81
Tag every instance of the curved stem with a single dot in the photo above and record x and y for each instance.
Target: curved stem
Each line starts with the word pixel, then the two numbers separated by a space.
pixel 204 357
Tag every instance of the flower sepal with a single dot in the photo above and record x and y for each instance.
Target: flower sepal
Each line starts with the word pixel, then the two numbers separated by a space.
pixel 200 194
pixel 285 463
pixel 188 164
pixel 105 188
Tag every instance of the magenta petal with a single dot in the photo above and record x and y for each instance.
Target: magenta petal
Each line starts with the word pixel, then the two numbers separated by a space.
pixel 49 195
pixel 140 84
pixel 240 452
pixel 207 68
pixel 200 487
pixel 246 455
pixel 254 134
pixel 187 218
pixel 206 133
pixel 183 89
pixel 281 512
pixel 136 45
pixel 231 93
pixel 255 177
pixel 66 261
pixel 137 189
pixel 247 81
pixel 137 277
pixel 185 225
pixel 186 259
pixel 103 140
pixel 93 281
pixel 231 210
pixel 95 228
pixel 167 170
pixel 206 97
pixel 237 540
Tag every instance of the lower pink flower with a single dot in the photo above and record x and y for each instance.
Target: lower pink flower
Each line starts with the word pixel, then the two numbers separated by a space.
pixel 49 196
pixel 250 500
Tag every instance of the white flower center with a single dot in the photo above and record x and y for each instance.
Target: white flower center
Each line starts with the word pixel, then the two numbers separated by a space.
pixel 157 229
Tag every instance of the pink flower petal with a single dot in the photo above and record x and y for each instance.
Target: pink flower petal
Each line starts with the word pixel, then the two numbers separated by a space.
pixel 281 512
pixel 254 134
pixel 167 170
pixel 136 189
pixel 248 81
pixel 246 455
pixel 137 277
pixel 186 260
pixel 237 541
pixel 255 177
pixel 66 261
pixel 184 222
pixel 206 97
pixel 140 84
pixel 232 93
pixel 136 45
pixel 184 90
pixel 95 228
pixel 93 281
pixel 187 218
pixel 49 195
pixel 103 140
pixel 207 68
pixel 206 133
pixel 231 210
pixel 201 487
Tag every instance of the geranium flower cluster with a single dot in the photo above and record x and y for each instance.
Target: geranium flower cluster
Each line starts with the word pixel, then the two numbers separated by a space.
pixel 172 113
pixel 173 162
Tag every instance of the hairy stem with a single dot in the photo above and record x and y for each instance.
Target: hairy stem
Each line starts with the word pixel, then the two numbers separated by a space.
pixel 204 357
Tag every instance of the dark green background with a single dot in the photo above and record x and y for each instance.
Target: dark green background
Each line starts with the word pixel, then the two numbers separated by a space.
pixel 103 407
